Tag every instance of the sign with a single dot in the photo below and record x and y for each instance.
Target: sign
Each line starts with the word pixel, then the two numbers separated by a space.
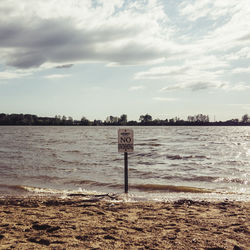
pixel 125 140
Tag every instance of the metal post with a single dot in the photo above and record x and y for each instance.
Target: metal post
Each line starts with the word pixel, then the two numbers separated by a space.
pixel 126 172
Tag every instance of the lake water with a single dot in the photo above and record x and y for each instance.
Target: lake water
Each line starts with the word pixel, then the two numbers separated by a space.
pixel 167 163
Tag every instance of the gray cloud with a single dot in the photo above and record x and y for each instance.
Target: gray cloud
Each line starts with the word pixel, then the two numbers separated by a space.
pixel 204 85
pixel 196 86
pixel 26 59
pixel 245 38
pixel 59 41
pixel 65 66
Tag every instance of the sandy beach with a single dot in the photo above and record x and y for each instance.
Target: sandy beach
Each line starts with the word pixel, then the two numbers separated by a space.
pixel 91 223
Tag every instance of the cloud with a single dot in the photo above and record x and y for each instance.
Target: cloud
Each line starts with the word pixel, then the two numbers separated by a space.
pixel 161 72
pixel 245 37
pixel 241 86
pixel 194 10
pixel 205 85
pixel 214 27
pixel 241 70
pixel 8 75
pixel 190 67
pixel 243 53
pixel 57 76
pixel 196 74
pixel 65 66
pixel 196 48
pixel 66 32
pixel 135 88
pixel 196 86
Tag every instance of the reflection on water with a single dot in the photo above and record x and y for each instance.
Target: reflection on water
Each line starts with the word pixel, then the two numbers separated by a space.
pixel 165 160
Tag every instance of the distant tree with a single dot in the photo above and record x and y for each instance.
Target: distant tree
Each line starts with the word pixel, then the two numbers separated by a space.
pixel 28 119
pixel 57 120
pixel 122 120
pixel 64 120
pixel 245 118
pixel 176 119
pixel 191 118
pixel 16 119
pixel 232 122
pixel 132 123
pixel 70 121
pixel 112 120
pixel 97 122
pixel 157 122
pixel 145 118
pixel 171 121
pixel 3 119
pixel 84 121
pixel 200 118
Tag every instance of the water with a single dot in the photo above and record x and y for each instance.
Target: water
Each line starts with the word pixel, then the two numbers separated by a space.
pixel 167 163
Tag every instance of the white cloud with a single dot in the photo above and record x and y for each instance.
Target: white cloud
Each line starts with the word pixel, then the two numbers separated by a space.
pixel 196 86
pixel 196 68
pixel 200 74
pixel 243 53
pixel 217 35
pixel 135 88
pixel 160 72
pixel 241 70
pixel 241 86
pixel 205 85
pixel 8 75
pixel 233 31
pixel 208 8
pixel 57 76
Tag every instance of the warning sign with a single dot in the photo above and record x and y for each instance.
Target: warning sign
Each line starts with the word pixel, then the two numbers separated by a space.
pixel 125 140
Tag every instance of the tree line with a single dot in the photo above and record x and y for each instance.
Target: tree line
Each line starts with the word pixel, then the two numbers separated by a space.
pixel 144 120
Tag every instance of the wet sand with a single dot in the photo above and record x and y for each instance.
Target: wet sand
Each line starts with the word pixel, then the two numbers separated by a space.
pixel 91 223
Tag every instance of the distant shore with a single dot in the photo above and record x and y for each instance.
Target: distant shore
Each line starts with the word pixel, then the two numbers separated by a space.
pixel 144 120
pixel 89 222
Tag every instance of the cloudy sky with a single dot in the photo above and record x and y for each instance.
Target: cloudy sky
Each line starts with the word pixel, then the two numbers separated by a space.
pixel 96 58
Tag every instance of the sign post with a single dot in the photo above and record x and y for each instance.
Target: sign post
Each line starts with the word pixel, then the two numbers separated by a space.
pixel 126 172
pixel 125 145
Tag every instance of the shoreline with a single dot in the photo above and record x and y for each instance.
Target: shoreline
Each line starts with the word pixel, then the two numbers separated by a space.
pixel 79 222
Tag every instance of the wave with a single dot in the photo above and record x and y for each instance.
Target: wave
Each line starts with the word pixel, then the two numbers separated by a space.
pixel 170 188
pixel 67 162
pixel 22 189
pixel 148 144
pixel 231 180
pixel 17 188
pixel 202 179
pixel 152 139
pixel 149 154
pixel 73 151
pixel 86 182
pixel 145 187
pixel 185 157
pixel 43 177
pixel 30 190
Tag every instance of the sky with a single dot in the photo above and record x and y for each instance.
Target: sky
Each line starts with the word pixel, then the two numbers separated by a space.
pixel 96 58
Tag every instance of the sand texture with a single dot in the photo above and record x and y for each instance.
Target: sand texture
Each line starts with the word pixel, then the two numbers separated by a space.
pixel 77 223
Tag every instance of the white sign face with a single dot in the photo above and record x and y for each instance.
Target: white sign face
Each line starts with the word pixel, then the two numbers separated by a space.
pixel 125 140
